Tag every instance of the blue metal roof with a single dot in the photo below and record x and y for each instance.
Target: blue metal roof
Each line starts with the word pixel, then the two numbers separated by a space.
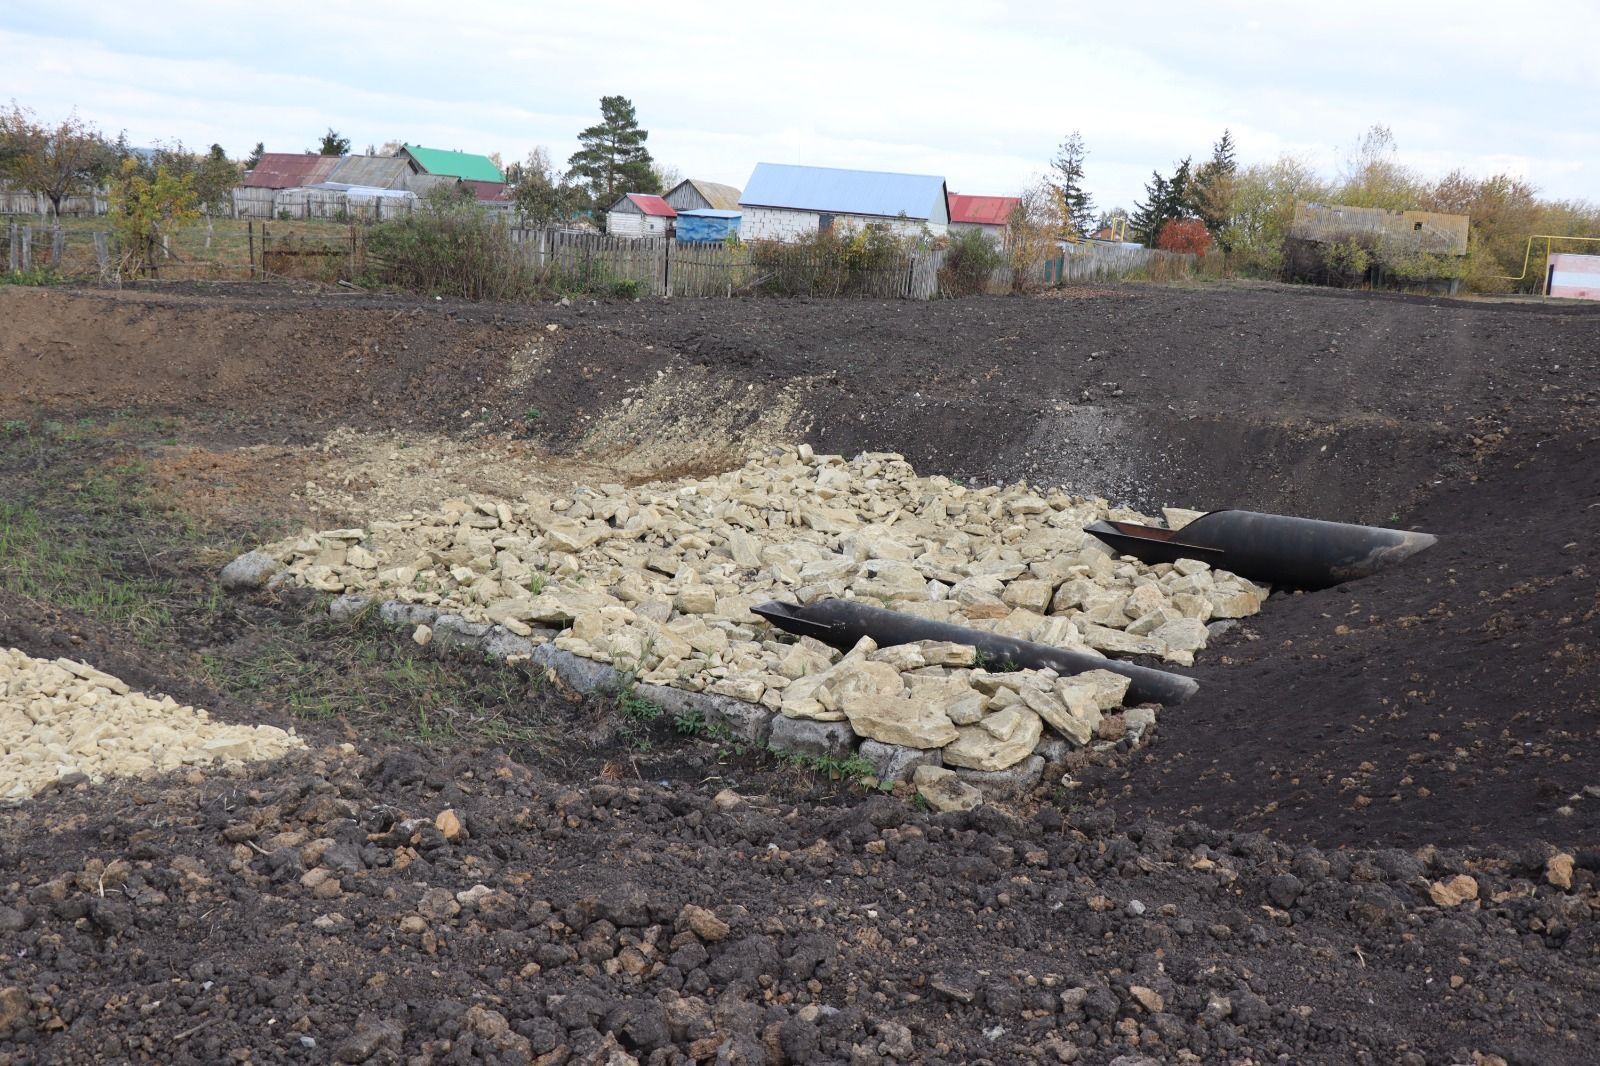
pixel 852 192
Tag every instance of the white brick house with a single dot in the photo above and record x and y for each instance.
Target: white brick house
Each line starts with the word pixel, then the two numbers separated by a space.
pixel 786 203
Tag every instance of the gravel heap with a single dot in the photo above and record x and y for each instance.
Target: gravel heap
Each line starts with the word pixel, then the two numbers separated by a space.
pixel 659 580
pixel 65 721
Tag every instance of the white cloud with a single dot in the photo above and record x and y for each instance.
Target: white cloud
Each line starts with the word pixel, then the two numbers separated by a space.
pixel 981 92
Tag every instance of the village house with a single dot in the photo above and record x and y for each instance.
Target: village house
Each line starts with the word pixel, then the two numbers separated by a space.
pixel 639 215
pixel 364 174
pixel 990 215
pixel 477 172
pixel 783 202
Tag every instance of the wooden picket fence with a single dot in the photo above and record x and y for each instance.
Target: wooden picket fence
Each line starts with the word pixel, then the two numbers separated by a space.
pixel 22 202
pixel 575 261
pixel 659 266
pixel 57 249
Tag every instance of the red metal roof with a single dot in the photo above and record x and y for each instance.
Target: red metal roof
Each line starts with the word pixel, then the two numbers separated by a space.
pixel 983 210
pixel 652 205
pixel 287 170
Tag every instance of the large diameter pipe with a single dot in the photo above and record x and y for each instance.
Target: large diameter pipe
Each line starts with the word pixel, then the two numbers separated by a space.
pixel 841 623
pixel 1299 553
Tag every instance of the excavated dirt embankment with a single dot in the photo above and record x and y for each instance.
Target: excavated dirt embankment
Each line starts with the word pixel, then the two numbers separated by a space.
pixel 1329 404
pixel 1474 668
pixel 403 907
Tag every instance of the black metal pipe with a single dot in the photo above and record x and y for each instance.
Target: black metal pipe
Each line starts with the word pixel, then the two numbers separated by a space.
pixel 841 623
pixel 1300 553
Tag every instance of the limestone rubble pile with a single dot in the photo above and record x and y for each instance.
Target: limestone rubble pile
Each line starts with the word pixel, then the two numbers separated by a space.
pixel 63 718
pixel 658 580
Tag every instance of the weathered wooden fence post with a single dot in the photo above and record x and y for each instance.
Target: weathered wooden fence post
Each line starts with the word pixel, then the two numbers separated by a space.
pixel 58 246
pixel 250 233
pixel 27 248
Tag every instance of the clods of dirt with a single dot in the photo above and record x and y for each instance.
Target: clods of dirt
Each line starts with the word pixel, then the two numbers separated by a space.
pixel 393 909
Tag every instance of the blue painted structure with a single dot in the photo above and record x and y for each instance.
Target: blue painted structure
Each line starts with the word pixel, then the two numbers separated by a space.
pixel 707 225
pixel 919 197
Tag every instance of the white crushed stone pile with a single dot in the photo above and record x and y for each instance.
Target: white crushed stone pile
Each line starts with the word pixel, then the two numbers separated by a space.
pixel 659 579
pixel 63 717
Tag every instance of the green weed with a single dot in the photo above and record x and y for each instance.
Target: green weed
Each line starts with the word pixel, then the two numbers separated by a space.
pixel 37 276
pixel 90 545
pixel 637 708
pixel 850 768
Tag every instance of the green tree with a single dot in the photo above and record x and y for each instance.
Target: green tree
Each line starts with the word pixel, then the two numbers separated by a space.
pixel 215 179
pixel 1165 199
pixel 1262 210
pixel 542 196
pixel 1066 178
pixel 613 159
pixel 55 161
pixel 1211 198
pixel 1146 219
pixel 144 210
pixel 254 158
pixel 333 143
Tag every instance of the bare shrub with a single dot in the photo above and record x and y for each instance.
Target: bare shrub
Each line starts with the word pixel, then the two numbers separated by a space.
pixel 969 262
pixel 449 246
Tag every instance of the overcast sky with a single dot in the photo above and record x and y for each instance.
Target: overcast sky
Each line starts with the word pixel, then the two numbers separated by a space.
pixel 978 92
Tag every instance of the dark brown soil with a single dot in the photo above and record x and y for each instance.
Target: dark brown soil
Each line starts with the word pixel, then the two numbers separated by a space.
pixel 1312 401
pixel 1453 700
pixel 317 912
pixel 1449 703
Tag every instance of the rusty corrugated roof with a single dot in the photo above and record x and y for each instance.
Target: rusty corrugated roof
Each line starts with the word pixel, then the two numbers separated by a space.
pixel 286 170
pixel 982 210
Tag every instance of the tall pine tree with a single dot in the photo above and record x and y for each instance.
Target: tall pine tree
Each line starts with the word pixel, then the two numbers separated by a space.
pixel 1164 200
pixel 613 159
pixel 1147 219
pixel 1212 198
pixel 1066 179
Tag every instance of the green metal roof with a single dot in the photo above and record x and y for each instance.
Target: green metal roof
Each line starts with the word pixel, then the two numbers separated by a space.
pixel 455 164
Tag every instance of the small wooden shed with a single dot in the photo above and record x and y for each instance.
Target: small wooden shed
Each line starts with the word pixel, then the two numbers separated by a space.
pixel 640 215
